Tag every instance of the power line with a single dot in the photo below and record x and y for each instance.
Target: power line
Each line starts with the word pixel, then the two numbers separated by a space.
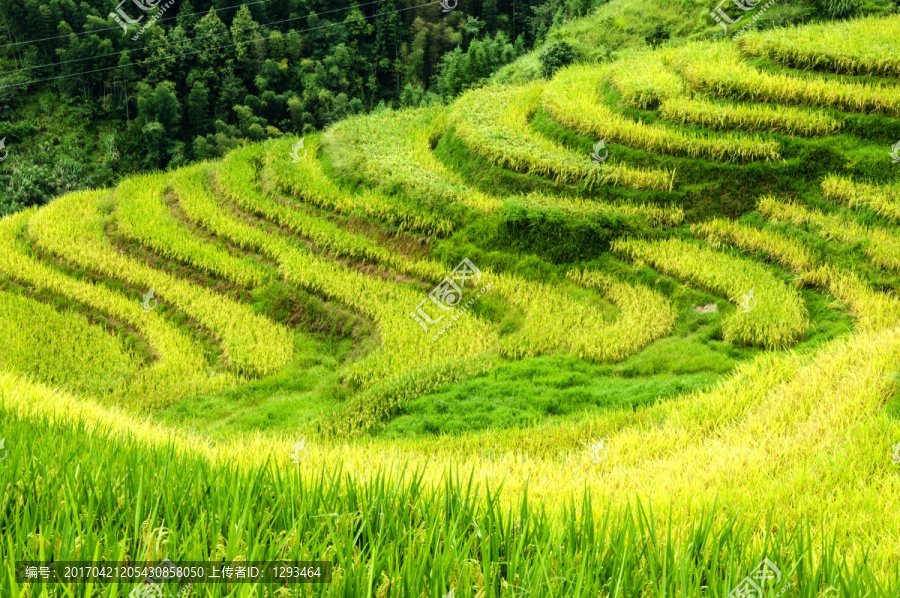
pixel 205 50
pixel 193 14
pixel 193 39
pixel 44 39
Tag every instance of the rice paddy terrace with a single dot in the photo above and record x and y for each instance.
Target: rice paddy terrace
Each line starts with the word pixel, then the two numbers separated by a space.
pixel 696 321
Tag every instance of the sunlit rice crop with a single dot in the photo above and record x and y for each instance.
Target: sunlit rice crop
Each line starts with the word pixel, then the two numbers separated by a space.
pixel 494 123
pixel 776 317
pixel 572 98
pixel 865 46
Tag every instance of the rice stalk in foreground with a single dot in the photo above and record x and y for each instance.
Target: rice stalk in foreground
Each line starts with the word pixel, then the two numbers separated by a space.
pixel 453 533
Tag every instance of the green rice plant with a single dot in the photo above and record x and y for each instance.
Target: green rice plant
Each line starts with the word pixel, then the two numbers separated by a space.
pixel 646 315
pixel 880 244
pixel 178 370
pixel 142 215
pixel 791 254
pixel 395 147
pixel 775 319
pixel 61 348
pixel 882 199
pixel 72 228
pixel 572 99
pixel 866 46
pixel 494 123
pixel 719 69
pixel 749 117
pixel 306 181
pixel 454 532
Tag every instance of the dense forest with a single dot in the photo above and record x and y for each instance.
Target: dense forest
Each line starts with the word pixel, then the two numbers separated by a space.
pixel 90 92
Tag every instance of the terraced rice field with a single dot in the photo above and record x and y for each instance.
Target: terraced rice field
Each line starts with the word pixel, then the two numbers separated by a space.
pixel 517 361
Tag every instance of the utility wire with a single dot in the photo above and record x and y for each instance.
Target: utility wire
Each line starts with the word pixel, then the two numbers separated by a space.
pixel 193 14
pixel 202 51
pixel 193 39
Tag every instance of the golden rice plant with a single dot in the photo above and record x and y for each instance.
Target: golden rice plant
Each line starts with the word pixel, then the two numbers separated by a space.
pixel 865 46
pixel 61 348
pixel 306 181
pixel 179 369
pixel 645 81
pixel 396 147
pixel 73 228
pixel 142 215
pixel 749 117
pixel 646 315
pixel 882 199
pixel 494 123
pixel 880 244
pixel 236 177
pixel 719 69
pixel 654 215
pixel 405 347
pixel 572 98
pixel 791 254
pixel 875 310
pixel 773 314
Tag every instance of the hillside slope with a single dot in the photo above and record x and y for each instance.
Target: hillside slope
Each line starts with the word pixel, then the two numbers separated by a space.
pixel 669 281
